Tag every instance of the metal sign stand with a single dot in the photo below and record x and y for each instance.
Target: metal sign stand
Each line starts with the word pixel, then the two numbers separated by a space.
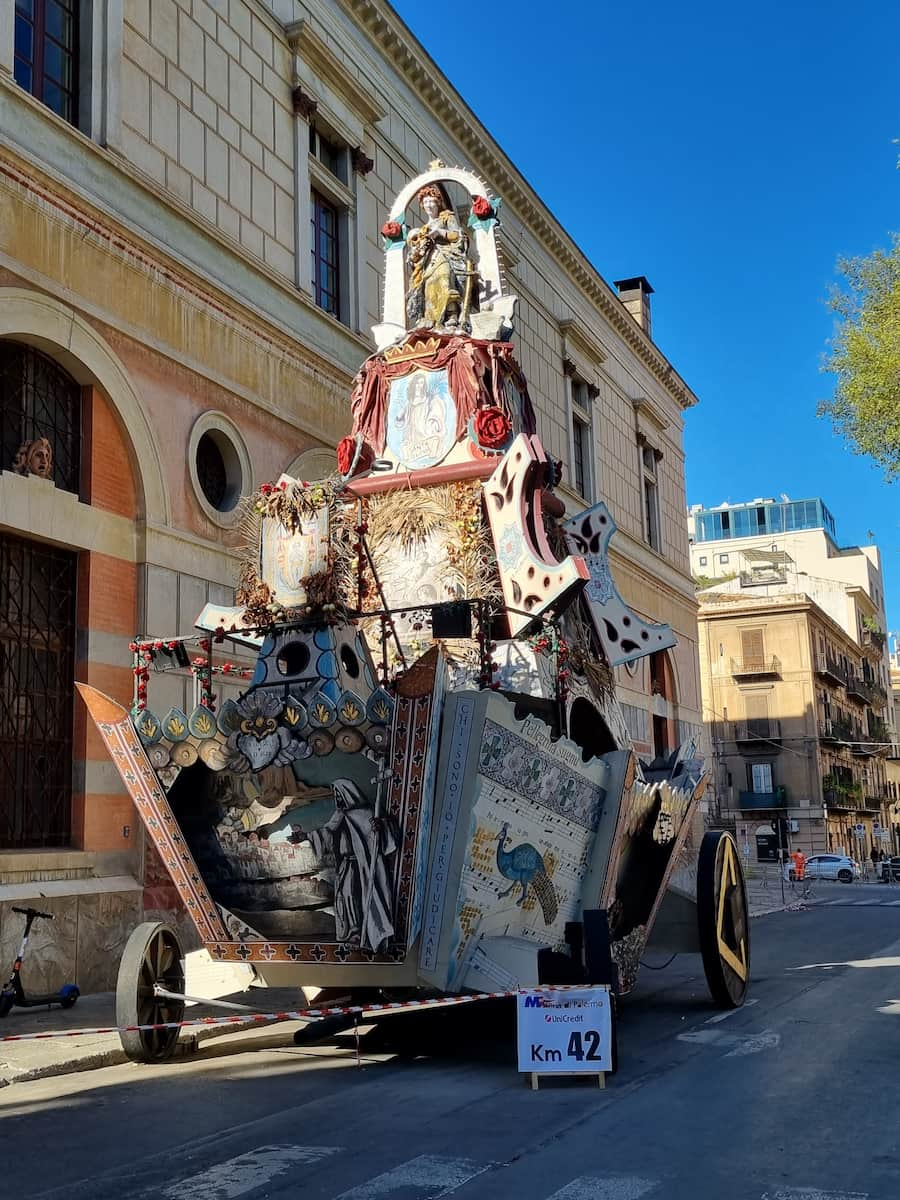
pixel 566 1033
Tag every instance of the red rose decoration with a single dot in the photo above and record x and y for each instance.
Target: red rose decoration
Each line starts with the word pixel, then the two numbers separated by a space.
pixel 482 208
pixel 392 230
pixel 346 452
pixel 492 428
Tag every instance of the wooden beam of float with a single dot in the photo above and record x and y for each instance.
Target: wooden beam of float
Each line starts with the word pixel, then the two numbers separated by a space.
pixel 533 581
pixel 131 761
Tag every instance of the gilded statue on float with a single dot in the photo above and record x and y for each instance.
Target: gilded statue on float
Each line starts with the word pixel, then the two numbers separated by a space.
pixel 440 274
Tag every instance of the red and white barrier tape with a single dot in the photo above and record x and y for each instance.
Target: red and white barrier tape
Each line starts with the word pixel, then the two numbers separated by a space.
pixel 305 1014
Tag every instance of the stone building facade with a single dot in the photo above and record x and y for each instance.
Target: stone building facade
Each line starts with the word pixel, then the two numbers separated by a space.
pixel 191 193
pixel 793 724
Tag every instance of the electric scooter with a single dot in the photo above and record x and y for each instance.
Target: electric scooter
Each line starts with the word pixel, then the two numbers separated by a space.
pixel 13 993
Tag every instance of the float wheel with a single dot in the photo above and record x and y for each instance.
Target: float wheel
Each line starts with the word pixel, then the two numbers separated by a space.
pixel 152 956
pixel 723 919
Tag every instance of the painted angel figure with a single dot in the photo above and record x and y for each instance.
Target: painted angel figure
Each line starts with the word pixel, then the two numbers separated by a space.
pixel 441 278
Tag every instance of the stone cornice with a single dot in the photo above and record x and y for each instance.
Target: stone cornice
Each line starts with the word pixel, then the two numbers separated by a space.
pixel 306 44
pixel 582 339
pixel 381 24
pixel 646 409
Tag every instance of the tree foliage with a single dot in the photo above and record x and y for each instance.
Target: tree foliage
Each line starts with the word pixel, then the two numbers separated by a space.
pixel 865 358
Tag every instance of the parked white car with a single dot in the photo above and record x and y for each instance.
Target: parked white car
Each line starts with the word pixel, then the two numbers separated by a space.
pixel 827 866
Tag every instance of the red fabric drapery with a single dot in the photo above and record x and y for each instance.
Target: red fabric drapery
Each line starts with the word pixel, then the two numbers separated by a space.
pixel 475 372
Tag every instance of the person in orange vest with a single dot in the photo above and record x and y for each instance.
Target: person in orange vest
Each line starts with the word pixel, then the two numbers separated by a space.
pixel 799 860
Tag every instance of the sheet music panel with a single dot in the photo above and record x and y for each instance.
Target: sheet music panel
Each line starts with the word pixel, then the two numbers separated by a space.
pixel 527 810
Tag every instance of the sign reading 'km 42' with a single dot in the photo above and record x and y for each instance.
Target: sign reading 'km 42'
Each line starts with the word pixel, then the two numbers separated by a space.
pixel 565 1032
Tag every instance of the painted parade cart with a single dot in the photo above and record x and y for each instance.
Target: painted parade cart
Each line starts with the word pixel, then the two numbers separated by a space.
pixel 427 785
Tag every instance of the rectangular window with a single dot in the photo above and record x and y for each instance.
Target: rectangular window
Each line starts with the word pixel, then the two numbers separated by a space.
pixel 579 453
pixel 651 497
pixel 723 558
pixel 757 710
pixel 753 652
pixel 332 156
pixel 702 560
pixel 45 53
pixel 651 514
pixel 761 777
pixel 325 264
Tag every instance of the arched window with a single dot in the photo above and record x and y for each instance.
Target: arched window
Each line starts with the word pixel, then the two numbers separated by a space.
pixel 40 411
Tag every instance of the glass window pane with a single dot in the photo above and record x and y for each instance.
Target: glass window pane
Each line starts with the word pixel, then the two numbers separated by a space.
pixel 742 523
pixel 24 40
pixel 57 64
pixel 26 7
pixel 23 75
pixel 58 23
pixel 56 99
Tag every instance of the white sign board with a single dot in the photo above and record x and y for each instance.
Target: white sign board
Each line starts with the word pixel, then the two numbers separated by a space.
pixel 566 1031
pixel 860 831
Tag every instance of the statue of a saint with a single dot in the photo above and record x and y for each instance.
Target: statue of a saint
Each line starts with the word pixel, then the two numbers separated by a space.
pixel 440 274
pixel 360 844
pixel 35 458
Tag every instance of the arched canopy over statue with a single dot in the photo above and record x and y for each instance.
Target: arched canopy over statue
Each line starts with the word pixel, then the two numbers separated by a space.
pixel 442 274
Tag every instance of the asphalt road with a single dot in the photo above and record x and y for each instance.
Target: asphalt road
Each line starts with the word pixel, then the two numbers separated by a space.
pixel 785 1099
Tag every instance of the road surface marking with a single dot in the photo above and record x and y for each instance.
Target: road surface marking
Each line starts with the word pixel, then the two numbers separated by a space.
pixel 430 1175
pixel 738 1045
pixel 812 1194
pixel 891 903
pixel 860 903
pixel 723 1016
pixel 832 903
pixel 246 1173
pixel 613 1187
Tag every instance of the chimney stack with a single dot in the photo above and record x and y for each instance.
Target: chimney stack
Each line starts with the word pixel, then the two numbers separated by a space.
pixel 635 294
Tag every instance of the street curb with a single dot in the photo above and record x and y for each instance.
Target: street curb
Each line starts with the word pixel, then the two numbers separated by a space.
pixel 114 1055
pixel 766 912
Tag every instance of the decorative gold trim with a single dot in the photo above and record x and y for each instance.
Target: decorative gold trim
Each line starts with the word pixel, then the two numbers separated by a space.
pixel 407 351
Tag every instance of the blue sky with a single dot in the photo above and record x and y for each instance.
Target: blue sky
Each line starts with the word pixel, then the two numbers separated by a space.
pixel 730 153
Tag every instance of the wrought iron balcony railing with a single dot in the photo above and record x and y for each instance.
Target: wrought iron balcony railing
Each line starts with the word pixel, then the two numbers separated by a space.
pixel 756 666
pixel 829 668
pixel 761 800
pixel 755 729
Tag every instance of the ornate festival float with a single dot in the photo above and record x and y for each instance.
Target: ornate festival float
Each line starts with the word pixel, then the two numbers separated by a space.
pixel 427 784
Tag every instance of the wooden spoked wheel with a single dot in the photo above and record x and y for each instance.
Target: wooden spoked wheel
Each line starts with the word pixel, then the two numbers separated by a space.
pixel 723 919
pixel 152 956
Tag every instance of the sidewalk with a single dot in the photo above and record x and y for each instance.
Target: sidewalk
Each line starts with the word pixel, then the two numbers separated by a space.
pixel 764 894
pixel 21 1061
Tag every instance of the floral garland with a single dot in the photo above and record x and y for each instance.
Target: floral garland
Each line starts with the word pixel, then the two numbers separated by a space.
pixel 202 671
pixel 145 652
pixel 552 643
pixel 291 504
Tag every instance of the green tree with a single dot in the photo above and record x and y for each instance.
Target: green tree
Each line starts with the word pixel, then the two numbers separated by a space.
pixel 865 358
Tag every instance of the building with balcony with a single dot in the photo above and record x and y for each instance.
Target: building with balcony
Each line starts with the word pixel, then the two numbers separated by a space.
pixel 768 546
pixel 796 719
pixel 190 264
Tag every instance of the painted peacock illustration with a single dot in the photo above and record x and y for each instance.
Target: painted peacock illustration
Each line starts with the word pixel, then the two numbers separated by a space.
pixel 525 866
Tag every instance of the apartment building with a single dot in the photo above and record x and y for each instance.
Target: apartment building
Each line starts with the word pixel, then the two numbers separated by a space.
pixel 192 193
pixel 794 673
